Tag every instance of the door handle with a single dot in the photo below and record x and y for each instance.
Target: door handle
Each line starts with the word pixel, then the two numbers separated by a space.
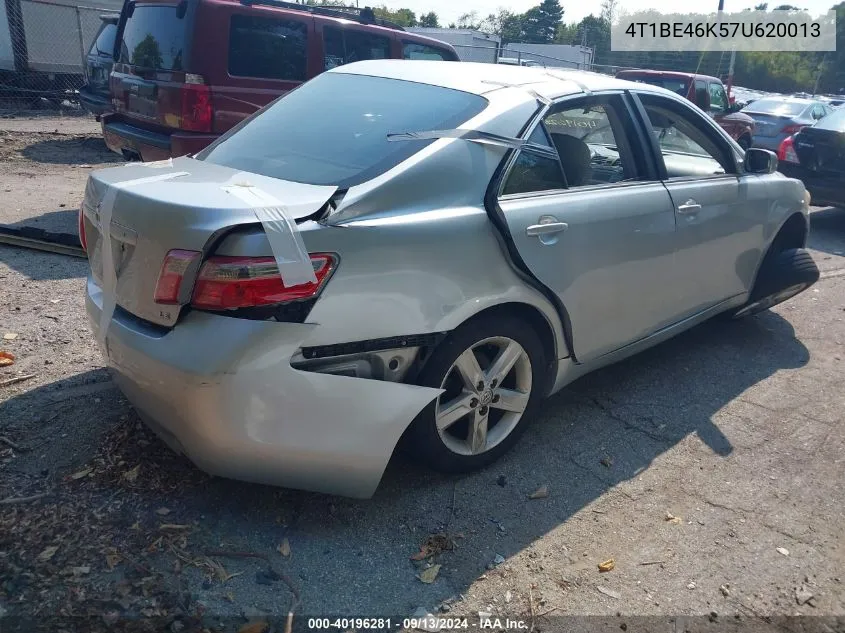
pixel 546 228
pixel 690 207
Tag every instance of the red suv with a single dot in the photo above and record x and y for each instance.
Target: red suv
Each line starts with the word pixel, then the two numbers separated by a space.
pixel 708 93
pixel 186 72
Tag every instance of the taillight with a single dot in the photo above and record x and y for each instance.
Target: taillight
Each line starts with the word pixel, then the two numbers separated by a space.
pixel 81 227
pixel 225 283
pixel 786 151
pixel 792 129
pixel 169 285
pixel 197 111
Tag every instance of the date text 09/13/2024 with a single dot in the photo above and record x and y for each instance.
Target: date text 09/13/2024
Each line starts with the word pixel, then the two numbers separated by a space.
pixel 427 623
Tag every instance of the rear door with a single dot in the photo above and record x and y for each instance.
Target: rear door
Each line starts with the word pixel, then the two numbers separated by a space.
pixel 593 225
pixel 269 53
pixel 719 213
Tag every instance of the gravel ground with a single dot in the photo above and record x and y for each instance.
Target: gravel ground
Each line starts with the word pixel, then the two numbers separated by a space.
pixel 709 469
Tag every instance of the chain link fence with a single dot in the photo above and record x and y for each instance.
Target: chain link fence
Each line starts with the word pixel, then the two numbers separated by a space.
pixel 42 63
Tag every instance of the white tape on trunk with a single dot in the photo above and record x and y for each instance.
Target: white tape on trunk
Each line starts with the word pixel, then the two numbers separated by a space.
pixel 105 209
pixel 295 267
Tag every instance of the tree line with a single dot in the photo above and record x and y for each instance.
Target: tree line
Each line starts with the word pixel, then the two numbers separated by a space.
pixel 544 24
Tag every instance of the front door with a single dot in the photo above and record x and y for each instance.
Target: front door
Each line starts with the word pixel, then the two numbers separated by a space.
pixel 591 227
pixel 718 211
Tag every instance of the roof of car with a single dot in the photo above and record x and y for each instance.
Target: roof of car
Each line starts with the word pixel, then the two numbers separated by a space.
pixel 668 73
pixel 480 78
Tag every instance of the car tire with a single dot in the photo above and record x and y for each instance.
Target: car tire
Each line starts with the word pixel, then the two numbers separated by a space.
pixel 782 275
pixel 744 142
pixel 457 447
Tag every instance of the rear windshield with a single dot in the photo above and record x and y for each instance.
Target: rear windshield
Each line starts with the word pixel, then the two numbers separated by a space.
pixel 104 44
pixel 333 129
pixel 678 86
pixel 154 37
pixel 776 106
pixel 834 121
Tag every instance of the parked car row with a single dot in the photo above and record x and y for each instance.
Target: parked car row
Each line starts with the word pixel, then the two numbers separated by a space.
pixel 167 79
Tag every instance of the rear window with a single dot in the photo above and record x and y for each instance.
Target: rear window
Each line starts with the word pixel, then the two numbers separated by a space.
pixel 104 44
pixel 776 106
pixel 267 48
pixel 834 121
pixel 413 50
pixel 333 129
pixel 678 86
pixel 154 37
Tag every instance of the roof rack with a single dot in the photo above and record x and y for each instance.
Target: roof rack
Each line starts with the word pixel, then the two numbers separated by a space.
pixel 364 16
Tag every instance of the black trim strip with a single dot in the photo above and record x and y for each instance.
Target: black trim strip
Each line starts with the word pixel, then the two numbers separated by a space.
pixel 373 345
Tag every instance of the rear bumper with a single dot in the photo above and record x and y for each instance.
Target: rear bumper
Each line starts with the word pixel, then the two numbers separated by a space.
pixel 123 137
pixel 222 391
pixel 94 103
pixel 823 191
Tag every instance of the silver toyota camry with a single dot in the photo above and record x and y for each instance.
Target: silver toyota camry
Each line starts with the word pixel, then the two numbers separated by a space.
pixel 417 253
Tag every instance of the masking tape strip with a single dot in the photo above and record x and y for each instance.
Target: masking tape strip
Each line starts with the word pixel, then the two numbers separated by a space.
pixel 503 84
pixel 475 136
pixel 105 209
pixel 295 267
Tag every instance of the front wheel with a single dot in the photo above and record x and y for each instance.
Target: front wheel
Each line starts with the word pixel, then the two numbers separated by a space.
pixel 781 277
pixel 492 373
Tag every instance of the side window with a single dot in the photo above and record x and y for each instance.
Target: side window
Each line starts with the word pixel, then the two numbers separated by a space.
pixel 534 172
pixel 718 98
pixel 413 50
pixel 267 47
pixel 344 46
pixel 589 139
pixel 689 148
pixel 104 44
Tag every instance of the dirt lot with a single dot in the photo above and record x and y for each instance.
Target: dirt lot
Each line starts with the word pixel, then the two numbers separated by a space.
pixel 710 469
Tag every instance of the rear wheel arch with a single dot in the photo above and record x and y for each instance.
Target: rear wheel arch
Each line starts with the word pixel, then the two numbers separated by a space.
pixel 535 319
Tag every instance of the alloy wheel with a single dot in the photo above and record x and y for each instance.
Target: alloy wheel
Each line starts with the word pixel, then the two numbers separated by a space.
pixel 486 391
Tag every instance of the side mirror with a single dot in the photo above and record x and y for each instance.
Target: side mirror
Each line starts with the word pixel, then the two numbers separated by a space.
pixel 734 107
pixel 759 161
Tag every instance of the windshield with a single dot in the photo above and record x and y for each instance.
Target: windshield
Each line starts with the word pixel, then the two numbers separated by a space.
pixel 778 107
pixel 333 130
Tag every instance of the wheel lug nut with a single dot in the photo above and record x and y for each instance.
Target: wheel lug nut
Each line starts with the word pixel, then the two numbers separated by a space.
pixel 473 403
pixel 483 410
pixel 496 398
pixel 480 385
pixel 493 384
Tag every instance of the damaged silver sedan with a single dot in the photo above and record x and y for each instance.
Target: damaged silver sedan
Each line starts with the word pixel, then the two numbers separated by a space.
pixel 419 253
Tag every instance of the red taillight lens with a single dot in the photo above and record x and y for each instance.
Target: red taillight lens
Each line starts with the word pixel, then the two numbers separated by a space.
pixel 197 112
pixel 81 227
pixel 176 264
pixel 225 283
pixel 786 151
pixel 792 129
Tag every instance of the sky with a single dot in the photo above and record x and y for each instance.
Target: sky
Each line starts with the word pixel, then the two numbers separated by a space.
pixel 574 10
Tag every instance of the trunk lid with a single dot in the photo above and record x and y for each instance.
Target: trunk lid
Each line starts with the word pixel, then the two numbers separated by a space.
pixel 188 212
pixel 822 151
pixel 770 125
